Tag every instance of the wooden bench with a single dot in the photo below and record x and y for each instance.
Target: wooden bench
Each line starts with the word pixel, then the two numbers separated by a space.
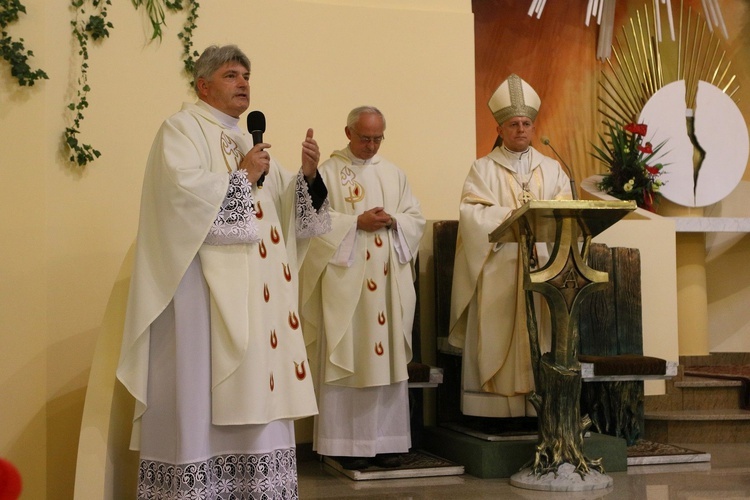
pixel 421 375
pixel 611 346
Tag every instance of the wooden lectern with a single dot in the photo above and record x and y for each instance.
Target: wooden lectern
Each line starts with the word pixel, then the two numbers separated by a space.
pixel 564 281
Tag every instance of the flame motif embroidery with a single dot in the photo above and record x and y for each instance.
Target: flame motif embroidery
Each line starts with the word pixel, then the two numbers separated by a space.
pixel 293 321
pixel 275 235
pixel 356 194
pixel 379 348
pixel 385 269
pixel 272 384
pixel 287 272
pixel 274 340
pixel 378 241
pixel 266 293
pixel 262 249
pixel 258 210
pixel 381 318
pixel 371 285
pixel 300 370
pixel 368 255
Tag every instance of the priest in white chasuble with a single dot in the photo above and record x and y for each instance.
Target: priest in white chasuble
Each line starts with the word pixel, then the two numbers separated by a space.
pixel 358 301
pixel 488 317
pixel 212 347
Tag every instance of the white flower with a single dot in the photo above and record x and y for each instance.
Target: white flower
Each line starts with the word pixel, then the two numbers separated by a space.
pixel 628 187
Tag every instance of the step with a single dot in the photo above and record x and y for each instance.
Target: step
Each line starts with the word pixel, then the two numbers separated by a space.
pixel 698 426
pixel 692 382
pixel 699 415
pixel 702 393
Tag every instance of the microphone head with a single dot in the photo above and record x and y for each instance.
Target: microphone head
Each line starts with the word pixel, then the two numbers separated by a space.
pixel 545 140
pixel 256 122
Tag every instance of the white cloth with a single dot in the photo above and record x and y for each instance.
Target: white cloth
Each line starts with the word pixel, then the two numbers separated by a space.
pixel 358 307
pixel 181 450
pixel 488 319
pixel 361 422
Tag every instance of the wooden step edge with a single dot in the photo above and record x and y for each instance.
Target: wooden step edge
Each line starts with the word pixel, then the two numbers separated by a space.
pixel 692 382
pixel 699 415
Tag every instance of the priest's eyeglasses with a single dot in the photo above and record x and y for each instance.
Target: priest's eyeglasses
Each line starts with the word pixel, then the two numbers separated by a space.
pixel 365 139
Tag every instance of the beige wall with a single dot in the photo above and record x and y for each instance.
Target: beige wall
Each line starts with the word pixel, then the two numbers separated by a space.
pixel 66 230
pixel 728 277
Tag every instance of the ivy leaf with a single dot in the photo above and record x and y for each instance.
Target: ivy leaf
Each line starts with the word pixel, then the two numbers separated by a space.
pixel 14 51
pixel 97 28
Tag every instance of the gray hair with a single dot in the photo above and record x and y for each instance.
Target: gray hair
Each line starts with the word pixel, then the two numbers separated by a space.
pixel 213 58
pixel 356 112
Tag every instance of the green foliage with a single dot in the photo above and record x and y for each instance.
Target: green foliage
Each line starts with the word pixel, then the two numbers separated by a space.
pixel 631 173
pixel 155 9
pixel 186 35
pixel 14 51
pixel 96 27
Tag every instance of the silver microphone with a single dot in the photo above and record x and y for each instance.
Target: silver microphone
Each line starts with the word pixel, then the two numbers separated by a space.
pixel 545 141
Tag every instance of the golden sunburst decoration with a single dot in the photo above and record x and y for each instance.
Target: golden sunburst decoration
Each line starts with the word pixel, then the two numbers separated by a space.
pixel 641 64
pixel 653 87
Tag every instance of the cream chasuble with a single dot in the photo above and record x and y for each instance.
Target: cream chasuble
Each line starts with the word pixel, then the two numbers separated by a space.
pixel 488 318
pixel 364 305
pixel 257 348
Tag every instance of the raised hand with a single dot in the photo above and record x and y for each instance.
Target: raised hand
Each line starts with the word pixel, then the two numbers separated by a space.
pixel 310 156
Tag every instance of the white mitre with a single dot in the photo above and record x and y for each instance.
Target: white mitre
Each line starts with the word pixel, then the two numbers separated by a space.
pixel 514 97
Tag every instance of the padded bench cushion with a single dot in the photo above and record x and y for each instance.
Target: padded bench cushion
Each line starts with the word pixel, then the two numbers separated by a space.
pixel 418 372
pixel 625 364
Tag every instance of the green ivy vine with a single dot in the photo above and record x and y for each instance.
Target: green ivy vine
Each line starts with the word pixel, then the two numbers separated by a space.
pixel 14 51
pixel 186 36
pixel 96 27
pixel 86 28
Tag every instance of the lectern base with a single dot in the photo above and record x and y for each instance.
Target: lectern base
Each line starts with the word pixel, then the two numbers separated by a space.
pixel 565 479
pixel 502 459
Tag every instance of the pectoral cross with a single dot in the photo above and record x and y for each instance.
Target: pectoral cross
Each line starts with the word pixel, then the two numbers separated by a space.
pixel 525 195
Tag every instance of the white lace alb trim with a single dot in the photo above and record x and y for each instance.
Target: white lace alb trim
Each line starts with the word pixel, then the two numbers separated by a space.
pixel 235 222
pixel 310 222
pixel 271 475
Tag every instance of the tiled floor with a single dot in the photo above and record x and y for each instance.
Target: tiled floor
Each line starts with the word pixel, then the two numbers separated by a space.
pixel 727 476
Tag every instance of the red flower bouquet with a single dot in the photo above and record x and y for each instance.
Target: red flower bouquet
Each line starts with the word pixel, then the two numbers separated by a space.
pixel 631 173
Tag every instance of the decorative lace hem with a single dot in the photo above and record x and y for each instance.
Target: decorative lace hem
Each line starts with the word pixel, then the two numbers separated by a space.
pixel 266 475
pixel 235 222
pixel 310 222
